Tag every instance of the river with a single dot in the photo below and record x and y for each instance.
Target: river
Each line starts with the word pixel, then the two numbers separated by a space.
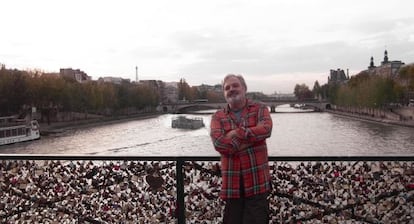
pixel 293 134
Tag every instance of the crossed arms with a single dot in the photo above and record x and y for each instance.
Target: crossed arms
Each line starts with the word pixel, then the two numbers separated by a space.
pixel 230 141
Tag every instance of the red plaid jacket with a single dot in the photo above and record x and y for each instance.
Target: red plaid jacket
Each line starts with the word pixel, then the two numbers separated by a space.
pixel 255 125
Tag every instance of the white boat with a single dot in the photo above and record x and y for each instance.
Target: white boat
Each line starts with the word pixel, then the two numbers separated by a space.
pixel 187 123
pixel 14 130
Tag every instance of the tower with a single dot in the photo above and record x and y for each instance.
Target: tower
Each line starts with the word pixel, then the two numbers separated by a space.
pixel 385 57
pixel 136 74
pixel 371 64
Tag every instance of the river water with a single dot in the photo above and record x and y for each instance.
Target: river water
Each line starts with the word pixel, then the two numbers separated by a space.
pixel 293 134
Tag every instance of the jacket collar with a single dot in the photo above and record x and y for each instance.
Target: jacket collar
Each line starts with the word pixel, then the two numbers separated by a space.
pixel 249 103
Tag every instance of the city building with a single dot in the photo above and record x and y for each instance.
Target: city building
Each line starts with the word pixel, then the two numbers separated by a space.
pixel 170 93
pixel 76 74
pixel 387 68
pixel 114 80
pixel 338 76
pixel 206 88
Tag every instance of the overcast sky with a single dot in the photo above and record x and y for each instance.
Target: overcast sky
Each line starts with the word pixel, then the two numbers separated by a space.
pixel 274 44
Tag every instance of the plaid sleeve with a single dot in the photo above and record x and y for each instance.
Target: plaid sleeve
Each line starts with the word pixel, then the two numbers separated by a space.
pixel 217 133
pixel 262 127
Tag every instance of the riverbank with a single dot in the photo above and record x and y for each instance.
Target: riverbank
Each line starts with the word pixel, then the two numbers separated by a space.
pixel 405 123
pixel 59 127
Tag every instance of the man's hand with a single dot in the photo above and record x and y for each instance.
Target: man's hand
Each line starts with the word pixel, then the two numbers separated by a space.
pixel 232 134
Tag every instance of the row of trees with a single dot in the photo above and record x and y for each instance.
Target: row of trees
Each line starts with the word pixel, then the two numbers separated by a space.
pixel 46 91
pixel 190 93
pixel 50 91
pixel 365 90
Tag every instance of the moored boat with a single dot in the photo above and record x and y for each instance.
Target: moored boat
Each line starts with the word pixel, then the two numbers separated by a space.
pixel 13 130
pixel 187 123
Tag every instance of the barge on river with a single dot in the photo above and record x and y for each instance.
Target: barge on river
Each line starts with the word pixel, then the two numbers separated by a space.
pixel 187 123
pixel 13 130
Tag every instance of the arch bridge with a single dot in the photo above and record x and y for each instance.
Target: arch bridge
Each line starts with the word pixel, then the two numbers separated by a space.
pixel 317 105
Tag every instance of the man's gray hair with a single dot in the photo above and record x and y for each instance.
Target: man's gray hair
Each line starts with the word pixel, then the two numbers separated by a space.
pixel 239 77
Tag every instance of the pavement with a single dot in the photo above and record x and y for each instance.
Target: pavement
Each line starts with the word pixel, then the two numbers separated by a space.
pixel 406 123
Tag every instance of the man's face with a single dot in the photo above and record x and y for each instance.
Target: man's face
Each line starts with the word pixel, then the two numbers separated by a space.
pixel 234 92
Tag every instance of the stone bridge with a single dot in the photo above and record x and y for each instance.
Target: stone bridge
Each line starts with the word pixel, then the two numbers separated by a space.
pixel 197 106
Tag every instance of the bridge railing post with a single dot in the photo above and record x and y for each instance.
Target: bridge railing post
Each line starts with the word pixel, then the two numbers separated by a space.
pixel 180 191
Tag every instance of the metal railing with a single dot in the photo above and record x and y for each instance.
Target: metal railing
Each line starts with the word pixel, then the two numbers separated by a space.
pixel 105 189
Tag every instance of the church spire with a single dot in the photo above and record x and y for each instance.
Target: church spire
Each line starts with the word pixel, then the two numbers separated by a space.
pixel 371 64
pixel 385 57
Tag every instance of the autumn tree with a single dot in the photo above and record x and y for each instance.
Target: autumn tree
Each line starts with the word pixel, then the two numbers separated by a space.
pixel 406 78
pixel 317 90
pixel 214 97
pixel 14 90
pixel 195 94
pixel 302 92
pixel 184 90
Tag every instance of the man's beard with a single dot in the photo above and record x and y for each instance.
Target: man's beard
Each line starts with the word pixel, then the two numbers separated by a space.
pixel 234 99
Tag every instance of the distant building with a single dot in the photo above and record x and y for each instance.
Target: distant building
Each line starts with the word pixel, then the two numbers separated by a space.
pixel 114 80
pixel 154 84
pixel 282 96
pixel 386 69
pixel 256 95
pixel 170 93
pixel 338 76
pixel 205 88
pixel 218 88
pixel 76 74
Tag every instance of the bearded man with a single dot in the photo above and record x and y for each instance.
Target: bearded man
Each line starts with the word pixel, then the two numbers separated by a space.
pixel 239 133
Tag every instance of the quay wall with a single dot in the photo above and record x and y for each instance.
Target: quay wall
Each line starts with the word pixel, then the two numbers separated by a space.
pixel 396 116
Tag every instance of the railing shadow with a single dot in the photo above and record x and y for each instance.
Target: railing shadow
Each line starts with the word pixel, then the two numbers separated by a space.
pixel 116 189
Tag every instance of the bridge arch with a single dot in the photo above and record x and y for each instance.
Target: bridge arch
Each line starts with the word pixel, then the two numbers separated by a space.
pixel 194 106
pixel 317 105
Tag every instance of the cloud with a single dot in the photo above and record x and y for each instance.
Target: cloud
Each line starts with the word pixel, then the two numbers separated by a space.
pixel 270 41
pixel 223 55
